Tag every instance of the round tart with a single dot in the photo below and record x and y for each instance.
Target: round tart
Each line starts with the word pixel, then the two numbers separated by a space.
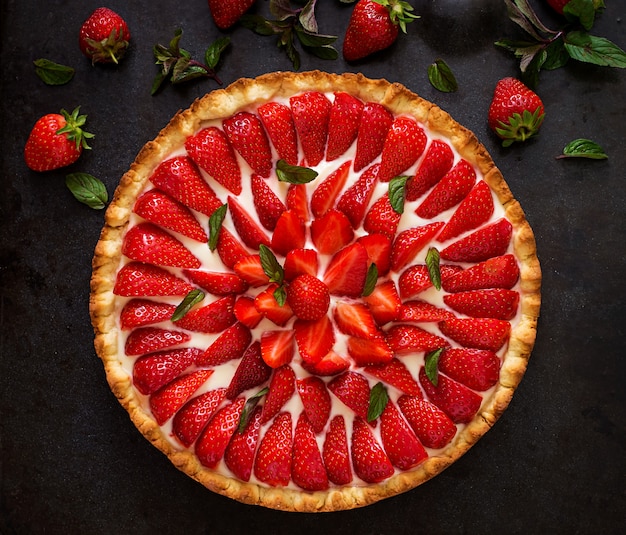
pixel 314 291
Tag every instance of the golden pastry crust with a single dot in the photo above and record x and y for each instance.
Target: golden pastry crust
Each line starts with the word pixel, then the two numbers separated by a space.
pixel 223 103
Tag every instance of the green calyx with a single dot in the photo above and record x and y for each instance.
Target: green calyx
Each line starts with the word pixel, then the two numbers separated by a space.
pixel 109 50
pixel 73 128
pixel 520 127
pixel 399 12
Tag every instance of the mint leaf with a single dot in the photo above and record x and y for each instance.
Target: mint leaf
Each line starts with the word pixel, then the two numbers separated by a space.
pixel 215 225
pixel 190 300
pixel 87 189
pixel 294 174
pixel 397 193
pixel 378 401
pixel 432 262
pixel 52 73
pixel 582 11
pixel 597 50
pixel 441 77
pixel 214 52
pixel 583 148
pixel 370 280
pixel 431 365
pixel 249 406
pixel 270 265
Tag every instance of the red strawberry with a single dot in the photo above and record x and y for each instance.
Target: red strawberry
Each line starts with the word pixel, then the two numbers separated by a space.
pixel 226 14
pixel 429 423
pixel 369 351
pixel 369 460
pixel 278 122
pixel 478 369
pixel 289 233
pixel 316 401
pixel 250 270
pixel 167 400
pixel 353 390
pixel 405 143
pixel 489 303
pixel 355 200
pixel 331 232
pixel 251 371
pixel 384 302
pixel 247 135
pixel 217 283
pixel 56 140
pixel 297 201
pixel 212 318
pixel 146 242
pixel 355 319
pixel 335 452
pixel 343 124
pixel 411 241
pixel 314 338
pixel 381 218
pixel 282 386
pixel 213 441
pixel 449 191
pixel 212 151
pixel 473 211
pixel 181 179
pixel 458 402
pixel 516 112
pixel 479 333
pixel 277 347
pixel 401 445
pixel 229 345
pixel 246 312
pixel 308 297
pixel 104 36
pixel 374 25
pixel 230 249
pixel 396 374
pixel 268 206
pixel 300 262
pixel 155 370
pixel 487 242
pixel 307 469
pixel 406 339
pixel 150 339
pixel 498 272
pixel 266 304
pixel 416 279
pixel 311 113
pixel 248 229
pixel 327 191
pixel 558 5
pixel 139 312
pixel 190 420
pixel 347 271
pixel 158 207
pixel 239 454
pixel 140 279
pixel 378 248
pixel 417 311
pixel 436 163
pixel 272 464
pixel 376 120
pixel 331 364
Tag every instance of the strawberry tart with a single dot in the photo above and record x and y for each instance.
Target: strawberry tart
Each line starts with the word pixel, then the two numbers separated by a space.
pixel 314 291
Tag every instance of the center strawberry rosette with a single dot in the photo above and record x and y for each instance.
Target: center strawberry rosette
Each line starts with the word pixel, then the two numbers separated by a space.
pixel 316 292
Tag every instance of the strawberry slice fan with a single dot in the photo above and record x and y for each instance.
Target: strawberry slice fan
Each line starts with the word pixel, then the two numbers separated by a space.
pixel 314 291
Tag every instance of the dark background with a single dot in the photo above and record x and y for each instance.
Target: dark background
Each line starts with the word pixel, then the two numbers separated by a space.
pixel 72 462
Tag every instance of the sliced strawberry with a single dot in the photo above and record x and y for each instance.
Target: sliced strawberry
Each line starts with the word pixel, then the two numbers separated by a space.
pixel 459 402
pixel 239 454
pixel 405 339
pixel 498 272
pixel 250 270
pixel 396 374
pixel 251 371
pixel 347 271
pixel 478 369
pixel 246 312
pixel 378 248
pixel 247 135
pixel 217 282
pixel 353 390
pixel 272 464
pixel 381 218
pixel 429 423
pixel 384 302
pixel 331 364
pixel 355 200
pixel 248 229
pixel 314 338
pixel 331 232
pixel 289 233
pixel 369 351
pixel 190 420
pixel 482 244
pixel 267 204
pixel 355 319
pixel 278 122
pixel 211 318
pixel 297 200
pixel 437 161
pixel 418 311
pixel 159 208
pixel 212 151
pixel 369 460
pixel 266 304
pixel 155 370
pixel 230 249
pixel 335 452
pixel 311 113
pixel 375 123
pixel 400 443
pixel 181 179
pixel 308 297
pixel 410 242
pixel 213 441
pixel 282 386
pixel 137 279
pixel 479 333
pixel 316 401
pixel 490 303
pixel 343 124
pixel 449 191
pixel 229 345
pixel 300 262
pixel 326 192
pixel 473 211
pixel 277 347
pixel 167 400
pixel 140 312
pixel 404 144
pixel 307 468
pixel 416 279
pixel 146 242
pixel 150 339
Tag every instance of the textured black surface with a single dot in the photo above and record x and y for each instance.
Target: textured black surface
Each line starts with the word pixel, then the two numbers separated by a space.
pixel 71 461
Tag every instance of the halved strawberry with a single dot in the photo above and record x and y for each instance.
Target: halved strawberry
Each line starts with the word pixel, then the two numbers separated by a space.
pixel 369 351
pixel 479 333
pixel 498 272
pixel 381 218
pixel 277 347
pixel 266 304
pixel 418 311
pixel 248 229
pixel 246 312
pixel 343 124
pixel 355 200
pixel 436 163
pixel 239 454
pixel 406 339
pixel 213 441
pixel 335 452
pixel 297 200
pixel 307 467
pixel 272 464
pixel 181 179
pixel 353 390
pixel 139 312
pixel 311 113
pixel 150 339
pixel 473 211
pixel 487 242
pixel 300 262
pixel 250 270
pixel 251 371
pixel 314 338
pixel 190 420
pixel 278 122
pixel 346 272
pixel 326 192
pixel 384 302
pixel 396 374
pixel 146 242
pixel 316 401
pixel 429 423
pixel 496 303
pixel 212 151
pixel 400 443
pixel 416 278
pixel 229 345
pixel 375 123
pixel 212 318
pixel 282 386
pixel 369 460
pixel 411 241
pixel 155 370
pixel 355 319
pixel 331 232
pixel 217 282
pixel 247 135
pixel 168 399
pixel 404 144
pixel 478 369
pixel 331 364
pixel 159 208
pixel 378 248
pixel 289 233
pixel 308 297
pixel 230 249
pixel 267 204
pixel 143 280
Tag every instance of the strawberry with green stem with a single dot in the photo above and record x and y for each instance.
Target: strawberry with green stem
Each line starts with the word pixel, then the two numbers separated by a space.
pixel 104 37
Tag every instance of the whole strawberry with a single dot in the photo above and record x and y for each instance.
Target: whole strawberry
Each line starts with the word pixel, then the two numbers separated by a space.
pixel 56 140
pixel 516 111
pixel 374 25
pixel 104 36
pixel 226 14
